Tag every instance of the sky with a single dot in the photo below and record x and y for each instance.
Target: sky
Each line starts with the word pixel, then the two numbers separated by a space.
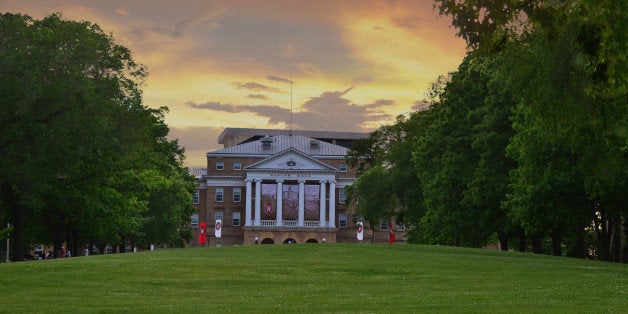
pixel 343 65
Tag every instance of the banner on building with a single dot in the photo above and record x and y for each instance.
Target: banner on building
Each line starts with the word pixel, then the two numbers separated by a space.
pixel 312 201
pixel 391 233
pixel 218 228
pixel 360 234
pixel 269 201
pixel 202 233
pixel 290 201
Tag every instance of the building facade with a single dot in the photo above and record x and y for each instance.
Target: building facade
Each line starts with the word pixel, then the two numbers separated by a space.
pixel 278 189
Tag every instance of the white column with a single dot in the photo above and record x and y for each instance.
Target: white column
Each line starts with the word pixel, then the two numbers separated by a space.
pixel 322 204
pixel 301 203
pixel 332 204
pixel 279 203
pixel 248 200
pixel 258 203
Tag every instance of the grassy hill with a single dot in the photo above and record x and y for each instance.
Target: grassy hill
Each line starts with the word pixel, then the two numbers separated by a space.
pixel 315 278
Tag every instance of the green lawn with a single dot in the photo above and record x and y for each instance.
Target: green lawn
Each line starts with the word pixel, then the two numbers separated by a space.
pixel 315 278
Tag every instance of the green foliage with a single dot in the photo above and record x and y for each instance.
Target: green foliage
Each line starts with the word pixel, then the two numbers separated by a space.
pixel 74 135
pixel 316 278
pixel 453 159
pixel 565 62
pixel 373 196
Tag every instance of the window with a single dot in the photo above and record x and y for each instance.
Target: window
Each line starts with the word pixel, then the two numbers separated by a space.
pixel 342 220
pixel 237 166
pixel 194 220
pixel 220 194
pixel 235 219
pixel 401 227
pixel 218 216
pixel 343 167
pixel 341 196
pixel 220 165
pixel 196 197
pixel 237 195
pixel 383 226
pixel 361 166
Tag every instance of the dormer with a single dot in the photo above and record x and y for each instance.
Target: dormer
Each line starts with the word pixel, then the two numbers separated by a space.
pixel 267 142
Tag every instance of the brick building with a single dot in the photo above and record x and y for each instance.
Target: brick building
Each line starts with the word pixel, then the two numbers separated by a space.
pixel 278 188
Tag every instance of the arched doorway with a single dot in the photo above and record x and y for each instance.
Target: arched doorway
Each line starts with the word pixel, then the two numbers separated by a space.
pixel 289 241
pixel 268 241
pixel 311 241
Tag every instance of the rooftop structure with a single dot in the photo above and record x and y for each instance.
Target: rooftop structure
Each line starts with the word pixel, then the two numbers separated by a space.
pixel 234 136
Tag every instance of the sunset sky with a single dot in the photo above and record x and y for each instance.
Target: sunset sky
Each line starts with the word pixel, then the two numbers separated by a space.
pixel 354 65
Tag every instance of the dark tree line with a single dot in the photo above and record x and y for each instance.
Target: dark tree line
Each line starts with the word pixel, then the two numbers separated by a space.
pixel 82 160
pixel 526 144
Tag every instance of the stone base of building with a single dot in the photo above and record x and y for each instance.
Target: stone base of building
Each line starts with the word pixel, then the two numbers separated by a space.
pixel 247 235
pixel 282 235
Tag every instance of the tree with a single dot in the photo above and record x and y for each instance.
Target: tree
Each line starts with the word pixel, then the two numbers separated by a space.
pixel 74 135
pixel 373 196
pixel 445 161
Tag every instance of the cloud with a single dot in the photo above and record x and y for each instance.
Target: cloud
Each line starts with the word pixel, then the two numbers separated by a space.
pixel 330 110
pixel 257 96
pixel 217 106
pixel 407 22
pixel 258 87
pixel 204 22
pixel 278 79
pixel 197 141
pixel 310 69
pixel 274 114
pixel 380 103
pixel 420 105
pixel 122 12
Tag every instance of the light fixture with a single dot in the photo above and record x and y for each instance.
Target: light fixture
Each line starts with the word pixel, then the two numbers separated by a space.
pixel 324 240
pixel 256 240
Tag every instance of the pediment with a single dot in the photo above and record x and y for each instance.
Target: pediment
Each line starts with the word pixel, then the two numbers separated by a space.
pixel 291 160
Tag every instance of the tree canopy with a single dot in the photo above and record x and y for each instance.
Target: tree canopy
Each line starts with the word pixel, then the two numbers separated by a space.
pixel 526 142
pixel 78 149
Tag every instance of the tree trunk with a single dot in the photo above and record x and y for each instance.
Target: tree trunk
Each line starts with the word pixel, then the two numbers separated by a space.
pixel 122 244
pixel 603 230
pixel 580 249
pixel 557 241
pixel 503 241
pixel 536 245
pixel 18 232
pixel 102 249
pixel 625 246
pixel 521 234
pixel 616 241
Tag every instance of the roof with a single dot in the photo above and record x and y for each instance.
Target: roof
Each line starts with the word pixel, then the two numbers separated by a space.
pixel 279 143
pixel 234 136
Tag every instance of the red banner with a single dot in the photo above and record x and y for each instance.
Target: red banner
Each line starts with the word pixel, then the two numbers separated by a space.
pixel 202 233
pixel 391 233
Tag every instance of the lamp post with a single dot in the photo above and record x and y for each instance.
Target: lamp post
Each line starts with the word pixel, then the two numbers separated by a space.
pixel 256 240
pixel 324 240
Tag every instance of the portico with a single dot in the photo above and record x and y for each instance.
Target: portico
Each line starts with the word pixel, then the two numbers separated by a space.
pixel 290 190
pixel 326 208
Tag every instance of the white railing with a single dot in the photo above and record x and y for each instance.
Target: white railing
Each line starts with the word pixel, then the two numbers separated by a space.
pixel 312 224
pixel 291 224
